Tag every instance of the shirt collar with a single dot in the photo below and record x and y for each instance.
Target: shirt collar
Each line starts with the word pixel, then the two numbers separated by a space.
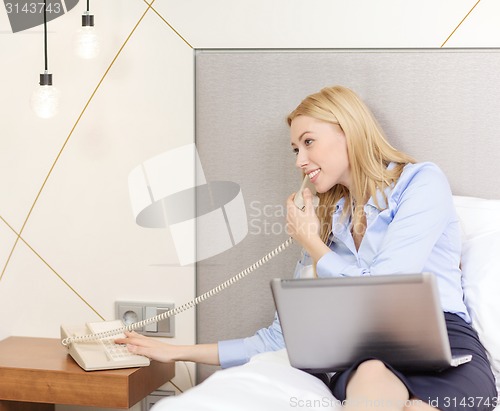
pixel 382 198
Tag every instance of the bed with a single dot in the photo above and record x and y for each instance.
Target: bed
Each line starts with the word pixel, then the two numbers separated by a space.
pixel 438 105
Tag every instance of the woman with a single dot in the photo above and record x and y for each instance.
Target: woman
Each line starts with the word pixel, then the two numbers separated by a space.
pixel 379 213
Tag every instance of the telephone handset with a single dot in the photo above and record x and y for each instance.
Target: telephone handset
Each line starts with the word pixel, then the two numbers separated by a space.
pixel 93 347
pixel 299 198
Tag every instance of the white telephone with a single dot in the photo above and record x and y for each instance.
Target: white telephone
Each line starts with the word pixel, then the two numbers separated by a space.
pixel 101 353
pixel 93 347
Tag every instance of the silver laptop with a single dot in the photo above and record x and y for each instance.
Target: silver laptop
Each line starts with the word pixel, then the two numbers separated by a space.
pixel 330 323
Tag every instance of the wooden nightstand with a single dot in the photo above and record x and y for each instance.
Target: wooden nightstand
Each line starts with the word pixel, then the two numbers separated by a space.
pixel 36 373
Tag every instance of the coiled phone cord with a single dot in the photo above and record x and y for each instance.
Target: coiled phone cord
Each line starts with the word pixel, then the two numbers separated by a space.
pixel 170 313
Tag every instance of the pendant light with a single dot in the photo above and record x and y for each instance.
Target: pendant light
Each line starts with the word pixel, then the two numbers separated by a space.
pixel 45 99
pixel 87 40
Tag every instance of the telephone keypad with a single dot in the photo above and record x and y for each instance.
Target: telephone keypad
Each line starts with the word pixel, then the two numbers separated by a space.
pixel 114 351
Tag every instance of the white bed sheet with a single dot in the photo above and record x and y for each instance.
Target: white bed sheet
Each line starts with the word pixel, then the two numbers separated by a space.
pixel 267 382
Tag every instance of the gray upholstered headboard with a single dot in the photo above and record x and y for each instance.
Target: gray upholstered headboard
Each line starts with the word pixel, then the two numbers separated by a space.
pixel 441 105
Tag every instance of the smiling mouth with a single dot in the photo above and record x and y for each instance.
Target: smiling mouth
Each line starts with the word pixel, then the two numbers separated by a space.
pixel 313 174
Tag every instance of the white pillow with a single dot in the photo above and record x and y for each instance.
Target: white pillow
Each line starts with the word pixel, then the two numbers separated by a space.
pixel 480 221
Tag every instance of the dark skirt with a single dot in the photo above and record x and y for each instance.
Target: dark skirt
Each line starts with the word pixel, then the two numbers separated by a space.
pixel 470 386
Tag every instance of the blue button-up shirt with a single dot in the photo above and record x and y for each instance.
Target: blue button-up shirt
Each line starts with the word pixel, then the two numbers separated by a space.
pixel 417 231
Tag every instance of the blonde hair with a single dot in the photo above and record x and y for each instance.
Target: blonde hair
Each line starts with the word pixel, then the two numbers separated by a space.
pixel 369 152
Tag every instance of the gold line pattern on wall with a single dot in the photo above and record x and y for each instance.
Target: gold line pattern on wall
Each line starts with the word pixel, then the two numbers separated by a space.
pixel 19 235
pixel 67 139
pixel 168 24
pixel 51 268
pixel 459 24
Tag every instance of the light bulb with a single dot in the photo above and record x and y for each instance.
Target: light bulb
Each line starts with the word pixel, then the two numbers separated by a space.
pixel 45 99
pixel 86 41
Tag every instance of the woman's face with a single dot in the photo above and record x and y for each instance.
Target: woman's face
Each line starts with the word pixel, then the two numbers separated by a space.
pixel 321 150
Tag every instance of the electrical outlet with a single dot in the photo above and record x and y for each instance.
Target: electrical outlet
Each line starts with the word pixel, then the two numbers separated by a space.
pixel 129 313
pixel 132 312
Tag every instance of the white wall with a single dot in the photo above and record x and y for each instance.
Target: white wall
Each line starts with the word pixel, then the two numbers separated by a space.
pixel 81 224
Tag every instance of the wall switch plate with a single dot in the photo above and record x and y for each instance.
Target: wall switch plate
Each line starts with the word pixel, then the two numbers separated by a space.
pixel 133 311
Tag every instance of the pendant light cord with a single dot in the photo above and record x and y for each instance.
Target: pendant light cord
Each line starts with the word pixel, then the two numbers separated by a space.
pixel 88 6
pixel 45 33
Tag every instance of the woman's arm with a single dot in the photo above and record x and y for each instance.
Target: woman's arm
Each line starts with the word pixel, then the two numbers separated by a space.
pixel 164 352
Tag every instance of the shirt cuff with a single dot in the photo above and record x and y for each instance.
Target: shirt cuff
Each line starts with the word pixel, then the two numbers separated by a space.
pixel 232 353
